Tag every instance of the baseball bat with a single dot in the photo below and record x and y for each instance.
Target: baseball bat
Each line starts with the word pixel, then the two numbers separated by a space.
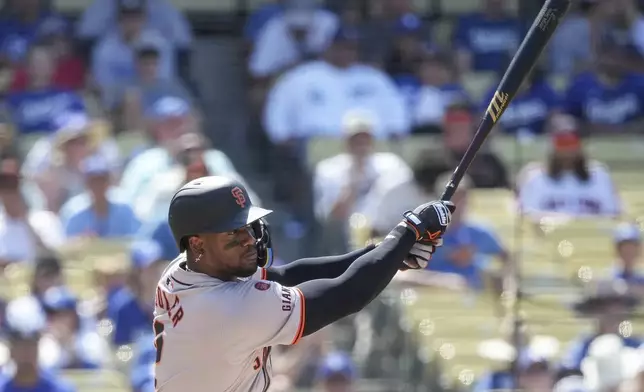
pixel 522 63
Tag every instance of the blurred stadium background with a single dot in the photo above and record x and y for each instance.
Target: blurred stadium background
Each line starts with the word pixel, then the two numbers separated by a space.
pixel 339 115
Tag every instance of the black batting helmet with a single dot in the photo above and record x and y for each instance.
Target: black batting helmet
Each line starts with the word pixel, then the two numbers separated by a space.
pixel 217 204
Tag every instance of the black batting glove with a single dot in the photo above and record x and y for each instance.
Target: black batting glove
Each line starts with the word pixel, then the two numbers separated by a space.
pixel 430 221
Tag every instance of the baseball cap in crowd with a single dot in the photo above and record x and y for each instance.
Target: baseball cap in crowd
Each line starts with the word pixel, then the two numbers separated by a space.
pixel 95 165
pixel 408 24
pixel 145 253
pixel 346 34
pixel 336 364
pixel 358 121
pixel 571 384
pixel 564 130
pixel 530 359
pixel 53 26
pixel 168 107
pixel 148 44
pixel 131 6
pixel 70 125
pixel 57 299
pixel 25 318
pixel 627 232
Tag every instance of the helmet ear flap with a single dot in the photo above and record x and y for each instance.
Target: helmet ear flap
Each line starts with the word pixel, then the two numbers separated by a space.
pixel 263 243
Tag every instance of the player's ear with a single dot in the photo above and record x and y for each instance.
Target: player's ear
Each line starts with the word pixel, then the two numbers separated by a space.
pixel 196 245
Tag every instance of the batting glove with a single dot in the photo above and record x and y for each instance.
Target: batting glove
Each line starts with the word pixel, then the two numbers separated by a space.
pixel 430 220
pixel 420 254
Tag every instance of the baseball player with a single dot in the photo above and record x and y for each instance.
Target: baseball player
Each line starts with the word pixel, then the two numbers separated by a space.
pixel 220 307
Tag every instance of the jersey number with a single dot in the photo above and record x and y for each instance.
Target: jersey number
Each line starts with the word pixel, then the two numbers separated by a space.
pixel 158 339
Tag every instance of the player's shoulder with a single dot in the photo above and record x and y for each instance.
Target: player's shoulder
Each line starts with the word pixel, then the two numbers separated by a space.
pixel 598 169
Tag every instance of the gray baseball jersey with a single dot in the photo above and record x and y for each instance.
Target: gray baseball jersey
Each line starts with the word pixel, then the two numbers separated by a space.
pixel 213 335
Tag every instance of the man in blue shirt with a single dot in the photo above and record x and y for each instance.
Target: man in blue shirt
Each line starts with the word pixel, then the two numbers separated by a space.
pixel 336 373
pixel 131 309
pixel 98 212
pixel 607 99
pixel 18 29
pixel 467 247
pixel 25 325
pixel 486 41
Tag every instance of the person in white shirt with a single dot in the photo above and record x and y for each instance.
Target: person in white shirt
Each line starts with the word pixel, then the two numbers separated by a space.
pixel 312 99
pixel 23 231
pixel 301 32
pixel 569 183
pixel 343 184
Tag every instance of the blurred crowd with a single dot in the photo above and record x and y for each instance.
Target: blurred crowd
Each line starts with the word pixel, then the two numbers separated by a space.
pixel 101 122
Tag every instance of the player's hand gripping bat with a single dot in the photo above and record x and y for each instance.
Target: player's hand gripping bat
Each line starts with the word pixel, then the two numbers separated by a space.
pixel 524 60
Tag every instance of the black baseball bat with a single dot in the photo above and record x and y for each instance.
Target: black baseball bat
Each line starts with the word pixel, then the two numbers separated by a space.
pixel 522 63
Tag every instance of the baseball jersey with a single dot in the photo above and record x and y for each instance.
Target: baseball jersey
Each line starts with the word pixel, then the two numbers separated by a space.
pixel 214 335
pixel 568 195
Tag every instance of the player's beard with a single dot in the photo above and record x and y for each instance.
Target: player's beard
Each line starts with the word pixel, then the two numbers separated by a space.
pixel 248 264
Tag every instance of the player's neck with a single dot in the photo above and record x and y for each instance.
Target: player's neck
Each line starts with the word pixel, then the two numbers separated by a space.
pixel 206 269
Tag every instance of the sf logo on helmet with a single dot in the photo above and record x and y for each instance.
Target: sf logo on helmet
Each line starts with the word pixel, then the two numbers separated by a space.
pixel 239 196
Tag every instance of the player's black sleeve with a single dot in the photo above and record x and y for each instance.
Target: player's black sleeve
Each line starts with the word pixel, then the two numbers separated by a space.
pixel 303 270
pixel 329 300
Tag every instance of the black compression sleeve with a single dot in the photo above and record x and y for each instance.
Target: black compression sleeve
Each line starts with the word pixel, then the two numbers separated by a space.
pixel 303 270
pixel 329 300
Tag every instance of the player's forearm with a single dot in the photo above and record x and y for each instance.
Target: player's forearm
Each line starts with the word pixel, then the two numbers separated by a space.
pixel 329 300
pixel 303 270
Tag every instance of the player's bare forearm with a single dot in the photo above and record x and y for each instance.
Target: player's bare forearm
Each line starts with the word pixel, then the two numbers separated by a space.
pixel 304 270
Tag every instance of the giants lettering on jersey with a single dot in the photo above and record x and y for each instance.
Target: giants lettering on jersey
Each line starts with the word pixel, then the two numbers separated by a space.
pixel 286 300
pixel 163 302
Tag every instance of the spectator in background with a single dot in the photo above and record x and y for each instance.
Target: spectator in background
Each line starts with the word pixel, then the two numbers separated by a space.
pixel 336 373
pixel 569 183
pixel 74 343
pixel 48 273
pixel 135 97
pixel 191 164
pixel 260 17
pixel 618 27
pixel 142 374
pixel 102 18
pixel 608 304
pixel 24 231
pixel 532 107
pixel 131 308
pixel 53 163
pixel 607 99
pixel 487 40
pixel 68 69
pixel 384 210
pixel 19 27
pixel 113 58
pixel 628 246
pixel 168 120
pixel 26 322
pixel 300 33
pixel 36 108
pixel 535 373
pixel 98 212
pixel 408 47
pixel 570 48
pixel 437 90
pixel 487 170
pixel 384 27
pixel 311 99
pixel 343 184
pixel 468 247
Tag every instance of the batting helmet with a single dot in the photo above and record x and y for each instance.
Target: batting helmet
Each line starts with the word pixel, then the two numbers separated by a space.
pixel 217 205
